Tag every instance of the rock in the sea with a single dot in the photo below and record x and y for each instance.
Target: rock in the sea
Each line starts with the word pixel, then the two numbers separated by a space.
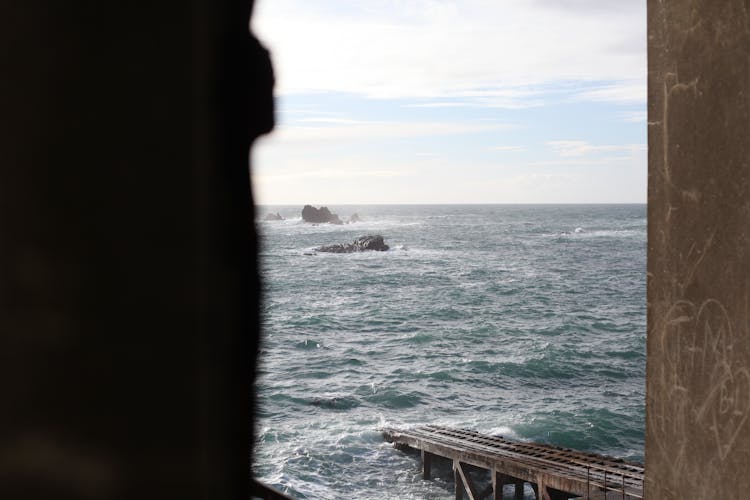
pixel 355 218
pixel 319 215
pixel 361 244
pixel 275 216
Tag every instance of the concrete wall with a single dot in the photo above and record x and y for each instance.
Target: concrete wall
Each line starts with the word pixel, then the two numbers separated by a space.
pixel 128 285
pixel 698 375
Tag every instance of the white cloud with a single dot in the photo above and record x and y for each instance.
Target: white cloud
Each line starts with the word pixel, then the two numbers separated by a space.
pixel 538 181
pixel 602 162
pixel 442 104
pixel 510 149
pixel 448 62
pixel 517 98
pixel 304 178
pixel 423 179
pixel 326 174
pixel 434 49
pixel 350 130
pixel 330 120
pixel 583 148
pixel 634 116
pixel 623 92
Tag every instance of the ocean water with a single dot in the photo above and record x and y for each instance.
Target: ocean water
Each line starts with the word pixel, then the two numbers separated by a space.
pixel 526 321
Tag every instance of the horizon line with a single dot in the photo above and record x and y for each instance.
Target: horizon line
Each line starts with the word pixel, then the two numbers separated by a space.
pixel 453 203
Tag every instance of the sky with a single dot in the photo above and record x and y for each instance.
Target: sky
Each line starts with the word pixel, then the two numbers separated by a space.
pixel 463 101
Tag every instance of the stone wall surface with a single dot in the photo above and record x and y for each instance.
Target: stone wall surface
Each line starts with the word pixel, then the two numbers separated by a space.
pixel 698 374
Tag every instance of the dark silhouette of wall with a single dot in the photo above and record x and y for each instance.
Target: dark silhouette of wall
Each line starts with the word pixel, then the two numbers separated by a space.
pixel 128 285
pixel 128 293
pixel 698 374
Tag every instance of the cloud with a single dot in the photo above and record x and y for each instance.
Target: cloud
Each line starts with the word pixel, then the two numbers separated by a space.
pixel 349 130
pixel 326 174
pixel 634 116
pixel 456 70
pixel 587 7
pixel 537 187
pixel 510 149
pixel 624 92
pixel 433 49
pixel 539 181
pixel 583 148
pixel 516 98
pixel 603 162
pixel 442 104
pixel 330 120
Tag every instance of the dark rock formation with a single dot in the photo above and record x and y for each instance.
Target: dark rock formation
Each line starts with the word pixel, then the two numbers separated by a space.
pixel 355 218
pixel 319 215
pixel 275 216
pixel 361 244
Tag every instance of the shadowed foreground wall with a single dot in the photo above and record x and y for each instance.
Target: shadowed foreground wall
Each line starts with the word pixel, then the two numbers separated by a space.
pixel 698 378
pixel 128 311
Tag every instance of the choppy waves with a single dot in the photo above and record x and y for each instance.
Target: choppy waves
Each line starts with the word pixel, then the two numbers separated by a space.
pixel 491 318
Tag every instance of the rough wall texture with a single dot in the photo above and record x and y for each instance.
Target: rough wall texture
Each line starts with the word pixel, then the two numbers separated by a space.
pixel 698 375
pixel 128 318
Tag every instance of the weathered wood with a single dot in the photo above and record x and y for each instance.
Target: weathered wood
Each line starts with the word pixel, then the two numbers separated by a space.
pixel 466 480
pixel 459 485
pixel 541 489
pixel 600 495
pixel 535 487
pixel 426 464
pixel 562 472
pixel 499 480
pixel 497 485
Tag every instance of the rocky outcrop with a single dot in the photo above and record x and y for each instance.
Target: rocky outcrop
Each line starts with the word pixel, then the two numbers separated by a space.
pixel 361 244
pixel 319 215
pixel 275 216
pixel 355 218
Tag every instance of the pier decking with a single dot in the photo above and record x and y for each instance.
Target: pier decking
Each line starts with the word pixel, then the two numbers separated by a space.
pixel 554 473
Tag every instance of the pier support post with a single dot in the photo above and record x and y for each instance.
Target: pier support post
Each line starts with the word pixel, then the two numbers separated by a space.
pixel 463 482
pixel 426 464
pixel 540 489
pixel 458 483
pixel 497 485
pixel 499 480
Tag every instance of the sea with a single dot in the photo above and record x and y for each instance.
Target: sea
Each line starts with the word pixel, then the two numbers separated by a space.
pixel 524 321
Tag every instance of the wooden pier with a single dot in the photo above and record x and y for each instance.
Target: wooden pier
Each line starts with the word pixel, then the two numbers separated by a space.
pixel 554 473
